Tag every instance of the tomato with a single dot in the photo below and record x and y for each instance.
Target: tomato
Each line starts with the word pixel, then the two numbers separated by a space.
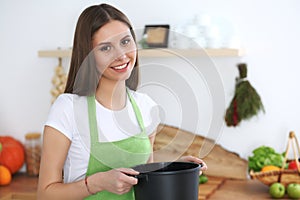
pixel 293 165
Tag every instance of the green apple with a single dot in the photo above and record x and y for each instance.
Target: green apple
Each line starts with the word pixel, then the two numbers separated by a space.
pixel 277 190
pixel 293 190
pixel 203 179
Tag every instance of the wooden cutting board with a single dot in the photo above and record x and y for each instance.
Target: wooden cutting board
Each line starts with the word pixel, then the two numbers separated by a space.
pixel 171 143
pixel 208 188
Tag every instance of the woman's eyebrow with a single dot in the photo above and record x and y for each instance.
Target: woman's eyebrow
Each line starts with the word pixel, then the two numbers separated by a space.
pixel 126 36
pixel 106 43
pixel 103 43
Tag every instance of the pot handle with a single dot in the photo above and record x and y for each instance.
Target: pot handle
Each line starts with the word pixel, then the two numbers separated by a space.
pixel 142 176
pixel 139 176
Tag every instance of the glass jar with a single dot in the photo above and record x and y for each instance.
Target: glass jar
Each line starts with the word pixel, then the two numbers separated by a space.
pixel 33 153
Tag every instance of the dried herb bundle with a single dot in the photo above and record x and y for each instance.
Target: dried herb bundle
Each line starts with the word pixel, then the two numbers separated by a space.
pixel 246 101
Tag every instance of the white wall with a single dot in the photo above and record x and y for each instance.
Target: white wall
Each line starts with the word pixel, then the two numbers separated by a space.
pixel 268 30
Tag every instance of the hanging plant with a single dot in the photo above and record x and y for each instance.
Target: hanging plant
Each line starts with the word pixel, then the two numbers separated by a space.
pixel 246 101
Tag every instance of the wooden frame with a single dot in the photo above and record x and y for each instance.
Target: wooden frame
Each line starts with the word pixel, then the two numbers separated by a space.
pixel 157 35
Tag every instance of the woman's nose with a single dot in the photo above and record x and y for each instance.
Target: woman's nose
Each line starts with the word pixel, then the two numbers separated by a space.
pixel 121 56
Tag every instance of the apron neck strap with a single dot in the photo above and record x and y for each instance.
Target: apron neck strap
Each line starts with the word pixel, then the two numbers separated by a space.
pixel 136 111
pixel 92 118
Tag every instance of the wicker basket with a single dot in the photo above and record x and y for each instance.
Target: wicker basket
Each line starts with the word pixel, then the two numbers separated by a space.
pixel 284 176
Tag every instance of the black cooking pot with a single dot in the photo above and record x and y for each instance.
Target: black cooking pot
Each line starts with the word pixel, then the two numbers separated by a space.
pixel 167 181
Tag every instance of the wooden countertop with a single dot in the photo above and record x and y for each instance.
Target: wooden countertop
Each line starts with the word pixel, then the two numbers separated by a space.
pixel 24 187
pixel 241 189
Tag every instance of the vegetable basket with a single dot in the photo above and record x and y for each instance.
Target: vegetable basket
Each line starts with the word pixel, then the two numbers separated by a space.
pixel 284 176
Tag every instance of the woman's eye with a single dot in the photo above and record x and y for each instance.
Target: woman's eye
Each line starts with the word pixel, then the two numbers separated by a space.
pixel 125 41
pixel 105 48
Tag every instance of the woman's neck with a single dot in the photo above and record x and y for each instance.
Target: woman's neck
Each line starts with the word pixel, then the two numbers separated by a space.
pixel 112 96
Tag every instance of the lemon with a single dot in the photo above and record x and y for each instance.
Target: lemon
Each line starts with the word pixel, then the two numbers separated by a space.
pixel 270 168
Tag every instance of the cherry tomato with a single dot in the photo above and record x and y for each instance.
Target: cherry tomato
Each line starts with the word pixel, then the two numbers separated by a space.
pixel 292 165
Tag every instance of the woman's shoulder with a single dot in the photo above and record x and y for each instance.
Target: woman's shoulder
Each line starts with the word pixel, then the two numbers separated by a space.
pixel 63 103
pixel 66 99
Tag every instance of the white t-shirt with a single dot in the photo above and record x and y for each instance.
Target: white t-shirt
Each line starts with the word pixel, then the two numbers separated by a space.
pixel 68 115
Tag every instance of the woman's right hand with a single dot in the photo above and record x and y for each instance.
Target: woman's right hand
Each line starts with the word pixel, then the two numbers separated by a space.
pixel 116 181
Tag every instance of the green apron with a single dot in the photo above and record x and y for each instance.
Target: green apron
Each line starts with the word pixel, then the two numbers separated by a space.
pixel 126 153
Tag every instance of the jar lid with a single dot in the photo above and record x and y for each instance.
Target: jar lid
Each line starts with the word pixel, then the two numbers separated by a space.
pixel 30 136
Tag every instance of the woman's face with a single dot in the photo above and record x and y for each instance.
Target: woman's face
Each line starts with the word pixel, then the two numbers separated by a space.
pixel 114 50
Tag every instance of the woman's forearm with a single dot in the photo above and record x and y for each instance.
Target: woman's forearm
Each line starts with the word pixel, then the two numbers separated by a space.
pixel 63 191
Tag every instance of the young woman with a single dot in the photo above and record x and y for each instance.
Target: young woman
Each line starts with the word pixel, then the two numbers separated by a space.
pixel 100 127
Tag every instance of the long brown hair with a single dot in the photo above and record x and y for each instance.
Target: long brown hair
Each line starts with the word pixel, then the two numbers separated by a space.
pixel 90 20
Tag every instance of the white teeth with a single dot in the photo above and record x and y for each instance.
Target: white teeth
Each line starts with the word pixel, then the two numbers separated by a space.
pixel 121 66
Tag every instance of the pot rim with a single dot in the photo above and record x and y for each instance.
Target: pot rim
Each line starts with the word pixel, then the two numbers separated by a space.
pixel 161 165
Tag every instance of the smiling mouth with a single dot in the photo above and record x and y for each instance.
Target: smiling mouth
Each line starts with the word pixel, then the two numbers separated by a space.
pixel 121 66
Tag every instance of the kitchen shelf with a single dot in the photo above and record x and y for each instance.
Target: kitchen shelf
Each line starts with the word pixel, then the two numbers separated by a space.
pixel 143 53
pixel 58 53
pixel 161 53
pixel 148 53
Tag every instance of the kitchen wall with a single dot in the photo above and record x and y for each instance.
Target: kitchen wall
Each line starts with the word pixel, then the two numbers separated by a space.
pixel 267 29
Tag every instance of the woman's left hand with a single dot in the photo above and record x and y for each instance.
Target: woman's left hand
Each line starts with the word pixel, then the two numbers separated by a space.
pixel 194 160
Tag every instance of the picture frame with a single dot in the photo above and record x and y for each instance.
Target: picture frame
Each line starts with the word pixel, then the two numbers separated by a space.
pixel 157 35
